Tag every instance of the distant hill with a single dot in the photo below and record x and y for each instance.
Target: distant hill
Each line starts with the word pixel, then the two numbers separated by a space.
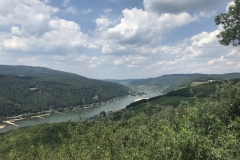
pixel 167 83
pixel 26 89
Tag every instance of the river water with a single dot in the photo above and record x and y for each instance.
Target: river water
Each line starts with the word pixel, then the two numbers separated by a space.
pixel 74 115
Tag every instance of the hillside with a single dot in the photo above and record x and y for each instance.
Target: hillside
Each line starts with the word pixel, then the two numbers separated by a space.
pixel 33 89
pixel 167 83
pixel 173 99
pixel 197 129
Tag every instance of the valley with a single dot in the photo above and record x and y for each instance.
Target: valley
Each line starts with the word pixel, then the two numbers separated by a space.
pixel 119 80
pixel 172 103
pixel 35 90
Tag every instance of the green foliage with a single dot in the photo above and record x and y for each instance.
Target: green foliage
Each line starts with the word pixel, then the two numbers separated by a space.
pixel 203 130
pixel 153 105
pixel 231 25
pixel 102 114
pixel 167 83
pixel 228 96
pixel 203 90
pixel 34 89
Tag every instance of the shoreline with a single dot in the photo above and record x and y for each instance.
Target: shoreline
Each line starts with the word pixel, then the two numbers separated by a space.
pixel 40 116
pixel 12 121
pixel 6 123
pixel 2 126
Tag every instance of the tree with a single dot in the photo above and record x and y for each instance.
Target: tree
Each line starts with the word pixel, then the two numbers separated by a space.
pixel 231 25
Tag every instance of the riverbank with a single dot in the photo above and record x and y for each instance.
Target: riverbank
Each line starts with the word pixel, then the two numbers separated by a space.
pixel 41 116
pixel 100 103
pixel 4 124
pixel 74 114
pixel 11 120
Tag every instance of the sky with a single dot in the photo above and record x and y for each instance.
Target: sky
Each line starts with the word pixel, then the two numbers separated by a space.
pixel 116 39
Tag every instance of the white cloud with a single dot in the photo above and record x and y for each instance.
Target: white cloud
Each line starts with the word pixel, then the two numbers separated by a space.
pixel 16 43
pixel 201 54
pixel 35 30
pixel 71 10
pixel 138 27
pixel 86 11
pixel 170 6
pixel 64 33
pixel 46 1
pixel 102 23
pixel 132 44
pixel 107 10
pixel 234 54
pixel 238 66
pixel 28 13
pixel 218 60
pixel 65 2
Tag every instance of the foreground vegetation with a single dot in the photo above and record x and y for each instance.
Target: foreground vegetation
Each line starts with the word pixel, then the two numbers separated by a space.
pixel 203 130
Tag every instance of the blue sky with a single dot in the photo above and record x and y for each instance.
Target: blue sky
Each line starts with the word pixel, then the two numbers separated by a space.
pixel 116 39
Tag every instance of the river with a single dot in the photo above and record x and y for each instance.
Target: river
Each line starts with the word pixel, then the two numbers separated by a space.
pixel 74 115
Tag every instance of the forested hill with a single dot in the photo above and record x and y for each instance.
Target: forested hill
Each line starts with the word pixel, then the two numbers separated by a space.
pixel 167 83
pixel 26 89
pixel 193 129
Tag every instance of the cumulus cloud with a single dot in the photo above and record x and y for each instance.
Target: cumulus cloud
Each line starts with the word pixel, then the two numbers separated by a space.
pixel 61 36
pixel 130 61
pixel 102 23
pixel 139 27
pixel 199 54
pixel 32 13
pixel 36 36
pixel 234 54
pixel 35 29
pixel 170 6
pixel 68 34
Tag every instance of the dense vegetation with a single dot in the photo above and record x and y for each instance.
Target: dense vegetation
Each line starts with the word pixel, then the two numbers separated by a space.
pixel 35 89
pixel 230 22
pixel 202 90
pixel 167 83
pixel 200 130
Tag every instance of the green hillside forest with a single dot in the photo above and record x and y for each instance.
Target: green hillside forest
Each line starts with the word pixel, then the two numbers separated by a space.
pixel 26 89
pixel 197 128
pixel 167 83
pixel 196 118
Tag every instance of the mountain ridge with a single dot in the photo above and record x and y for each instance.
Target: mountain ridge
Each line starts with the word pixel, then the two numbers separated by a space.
pixel 166 83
